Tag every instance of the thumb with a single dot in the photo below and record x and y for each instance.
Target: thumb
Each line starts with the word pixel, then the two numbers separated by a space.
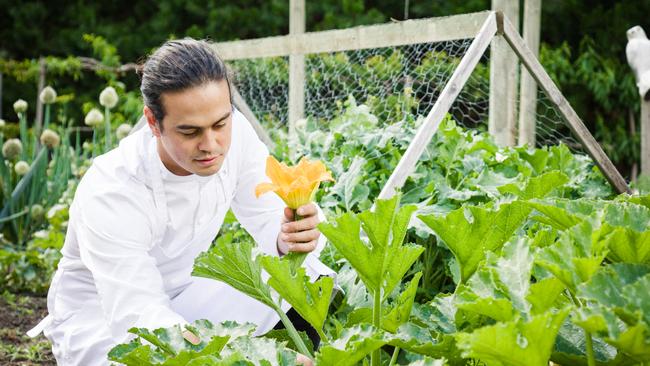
pixel 288 214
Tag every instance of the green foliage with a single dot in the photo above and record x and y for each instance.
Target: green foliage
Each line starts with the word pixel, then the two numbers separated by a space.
pixel 486 230
pixel 383 261
pixel 310 300
pixel 512 342
pixel 221 344
pixel 234 265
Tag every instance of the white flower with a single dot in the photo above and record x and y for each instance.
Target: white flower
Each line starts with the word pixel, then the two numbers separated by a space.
pixel 41 234
pixel 20 106
pixel 12 148
pixel 2 124
pixel 301 124
pixel 94 118
pixel 37 211
pixel 50 138
pixel 87 146
pixel 108 97
pixel 21 168
pixel 48 95
pixel 123 130
pixel 55 209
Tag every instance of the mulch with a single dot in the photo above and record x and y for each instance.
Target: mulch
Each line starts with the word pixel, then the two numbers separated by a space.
pixel 18 314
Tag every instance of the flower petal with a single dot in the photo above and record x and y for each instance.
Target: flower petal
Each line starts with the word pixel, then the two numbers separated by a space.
pixel 278 172
pixel 265 187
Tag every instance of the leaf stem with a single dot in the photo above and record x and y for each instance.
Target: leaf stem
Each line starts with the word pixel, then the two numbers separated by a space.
pixel 375 358
pixel 591 360
pixel 394 358
pixel 293 333
pixel 589 345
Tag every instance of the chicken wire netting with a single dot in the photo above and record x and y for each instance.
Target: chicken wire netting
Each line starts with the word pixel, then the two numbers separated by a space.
pixel 391 81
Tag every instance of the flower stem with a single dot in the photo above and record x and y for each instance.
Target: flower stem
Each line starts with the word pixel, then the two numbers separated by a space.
pixel 46 120
pixel 94 143
pixel 293 333
pixel 296 217
pixel 375 358
pixel 23 133
pixel 107 129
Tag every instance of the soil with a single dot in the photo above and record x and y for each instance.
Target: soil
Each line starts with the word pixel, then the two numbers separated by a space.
pixel 18 314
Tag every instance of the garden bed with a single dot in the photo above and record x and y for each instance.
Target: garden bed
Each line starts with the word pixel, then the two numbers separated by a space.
pixel 19 314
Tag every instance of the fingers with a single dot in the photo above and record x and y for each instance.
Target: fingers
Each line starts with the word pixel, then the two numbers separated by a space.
pixel 288 215
pixel 300 237
pixel 307 210
pixel 191 337
pixel 306 223
pixel 304 360
pixel 303 247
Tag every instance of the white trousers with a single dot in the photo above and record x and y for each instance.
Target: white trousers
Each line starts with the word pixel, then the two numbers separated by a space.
pixel 84 338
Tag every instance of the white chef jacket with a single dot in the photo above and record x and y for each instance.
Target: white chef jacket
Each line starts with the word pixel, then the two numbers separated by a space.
pixel 134 231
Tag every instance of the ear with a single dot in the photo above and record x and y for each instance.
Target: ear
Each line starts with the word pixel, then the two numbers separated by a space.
pixel 151 121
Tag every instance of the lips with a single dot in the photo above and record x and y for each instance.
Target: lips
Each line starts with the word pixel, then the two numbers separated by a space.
pixel 207 161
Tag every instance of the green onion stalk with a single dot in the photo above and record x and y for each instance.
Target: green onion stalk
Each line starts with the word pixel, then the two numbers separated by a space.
pixel 23 133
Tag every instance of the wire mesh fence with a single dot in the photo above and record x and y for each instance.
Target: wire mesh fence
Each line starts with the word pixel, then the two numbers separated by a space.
pixel 391 81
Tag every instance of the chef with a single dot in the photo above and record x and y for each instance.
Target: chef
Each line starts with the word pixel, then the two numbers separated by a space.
pixel 146 209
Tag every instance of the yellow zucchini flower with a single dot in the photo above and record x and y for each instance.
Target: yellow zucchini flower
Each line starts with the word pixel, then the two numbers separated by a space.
pixel 296 185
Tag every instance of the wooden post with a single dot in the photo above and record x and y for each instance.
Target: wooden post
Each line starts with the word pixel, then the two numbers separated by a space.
pixel 645 137
pixel 503 80
pixel 0 95
pixel 528 96
pixel 559 101
pixel 431 123
pixel 39 105
pixel 296 68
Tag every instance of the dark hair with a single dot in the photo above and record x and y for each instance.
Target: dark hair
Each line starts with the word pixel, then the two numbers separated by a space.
pixel 178 65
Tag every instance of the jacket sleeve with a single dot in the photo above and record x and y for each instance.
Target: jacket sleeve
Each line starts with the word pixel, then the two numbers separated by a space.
pixel 262 216
pixel 115 236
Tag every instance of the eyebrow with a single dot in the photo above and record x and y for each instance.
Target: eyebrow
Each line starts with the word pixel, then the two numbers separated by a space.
pixel 193 127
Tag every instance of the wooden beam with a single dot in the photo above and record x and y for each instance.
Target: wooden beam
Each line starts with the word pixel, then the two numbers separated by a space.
pixel 645 137
pixel 528 96
pixel 243 107
pixel 407 32
pixel 440 109
pixel 502 119
pixel 575 123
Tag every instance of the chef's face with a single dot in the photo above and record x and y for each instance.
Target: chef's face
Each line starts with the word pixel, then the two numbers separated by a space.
pixel 197 126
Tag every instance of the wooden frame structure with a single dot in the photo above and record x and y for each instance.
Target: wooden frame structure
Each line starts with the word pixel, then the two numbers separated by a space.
pixel 496 25
pixel 482 27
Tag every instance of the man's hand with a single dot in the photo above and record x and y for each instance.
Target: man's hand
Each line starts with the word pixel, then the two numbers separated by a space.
pixel 302 235
pixel 191 337
pixel 304 360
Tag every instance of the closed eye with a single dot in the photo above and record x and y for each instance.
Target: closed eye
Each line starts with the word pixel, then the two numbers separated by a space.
pixel 189 133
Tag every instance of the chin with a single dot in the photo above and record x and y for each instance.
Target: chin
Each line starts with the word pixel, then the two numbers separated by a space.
pixel 207 171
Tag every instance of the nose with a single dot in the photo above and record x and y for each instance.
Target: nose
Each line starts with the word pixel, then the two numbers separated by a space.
pixel 209 141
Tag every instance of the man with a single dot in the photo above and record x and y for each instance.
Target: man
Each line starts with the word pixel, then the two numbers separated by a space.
pixel 145 210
